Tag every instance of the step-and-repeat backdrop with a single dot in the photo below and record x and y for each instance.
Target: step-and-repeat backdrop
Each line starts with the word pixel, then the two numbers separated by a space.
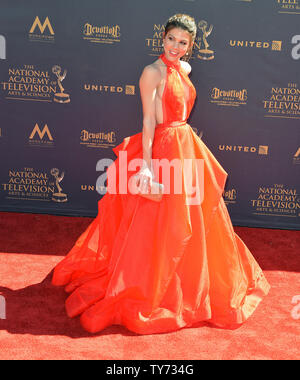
pixel 69 74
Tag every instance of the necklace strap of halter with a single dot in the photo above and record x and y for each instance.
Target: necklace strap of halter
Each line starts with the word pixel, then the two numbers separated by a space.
pixel 174 65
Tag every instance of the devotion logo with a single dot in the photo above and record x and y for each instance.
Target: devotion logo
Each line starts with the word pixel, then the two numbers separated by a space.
pixel 104 34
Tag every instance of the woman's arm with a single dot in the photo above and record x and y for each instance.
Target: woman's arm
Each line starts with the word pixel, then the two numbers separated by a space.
pixel 149 81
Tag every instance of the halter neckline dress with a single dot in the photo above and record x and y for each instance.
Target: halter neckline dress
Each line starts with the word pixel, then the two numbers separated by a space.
pixel 156 267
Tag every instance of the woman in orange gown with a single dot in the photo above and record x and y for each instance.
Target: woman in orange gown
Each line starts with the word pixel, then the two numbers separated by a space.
pixel 157 267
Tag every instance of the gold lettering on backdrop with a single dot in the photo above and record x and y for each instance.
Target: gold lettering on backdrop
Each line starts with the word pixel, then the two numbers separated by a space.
pixel 230 196
pixel 284 101
pixel 288 6
pixel 234 98
pixel 127 90
pixel 28 184
pixel 239 95
pixel 87 188
pixel 102 34
pixel 24 76
pixel 42 133
pixel 277 200
pixel 38 33
pixel 261 150
pixel 93 188
pixel 98 140
pixel 155 42
pixel 287 2
pixel 238 148
pixel 274 45
pixel 101 136
pixel 28 83
pixel 37 23
pixel 113 31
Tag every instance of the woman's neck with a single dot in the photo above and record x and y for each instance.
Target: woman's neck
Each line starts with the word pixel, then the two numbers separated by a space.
pixel 176 63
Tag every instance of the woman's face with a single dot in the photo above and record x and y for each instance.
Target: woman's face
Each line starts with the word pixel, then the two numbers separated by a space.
pixel 177 43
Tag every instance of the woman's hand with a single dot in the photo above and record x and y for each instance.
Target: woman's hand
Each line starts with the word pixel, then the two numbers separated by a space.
pixel 144 178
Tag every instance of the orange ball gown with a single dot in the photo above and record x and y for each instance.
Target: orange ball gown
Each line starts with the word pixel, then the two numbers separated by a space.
pixel 157 267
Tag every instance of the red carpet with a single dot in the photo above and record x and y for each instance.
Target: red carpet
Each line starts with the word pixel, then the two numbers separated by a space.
pixel 36 326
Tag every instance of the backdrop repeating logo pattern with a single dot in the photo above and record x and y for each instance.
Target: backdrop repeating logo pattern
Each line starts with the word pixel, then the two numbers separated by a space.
pixel 288 6
pixel 69 94
pixel 41 32
pixel 41 138
pixel 28 82
pixel 283 102
pixel 107 34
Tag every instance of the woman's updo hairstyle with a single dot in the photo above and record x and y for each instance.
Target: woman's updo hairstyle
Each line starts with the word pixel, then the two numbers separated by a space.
pixel 184 22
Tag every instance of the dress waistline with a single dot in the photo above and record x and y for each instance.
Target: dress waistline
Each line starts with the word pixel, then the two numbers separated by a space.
pixel 172 124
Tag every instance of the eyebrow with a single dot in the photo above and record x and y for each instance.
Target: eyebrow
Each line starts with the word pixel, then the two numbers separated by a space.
pixel 185 40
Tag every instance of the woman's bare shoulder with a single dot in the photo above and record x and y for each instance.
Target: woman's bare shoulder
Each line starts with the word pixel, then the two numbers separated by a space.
pixel 152 72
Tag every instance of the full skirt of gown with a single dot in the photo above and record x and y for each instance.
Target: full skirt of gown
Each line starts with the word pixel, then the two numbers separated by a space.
pixel 156 267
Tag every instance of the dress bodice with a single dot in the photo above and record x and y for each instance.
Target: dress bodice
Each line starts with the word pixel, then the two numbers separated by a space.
pixel 175 105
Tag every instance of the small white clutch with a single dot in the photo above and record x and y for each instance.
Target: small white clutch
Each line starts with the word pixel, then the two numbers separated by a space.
pixel 155 193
